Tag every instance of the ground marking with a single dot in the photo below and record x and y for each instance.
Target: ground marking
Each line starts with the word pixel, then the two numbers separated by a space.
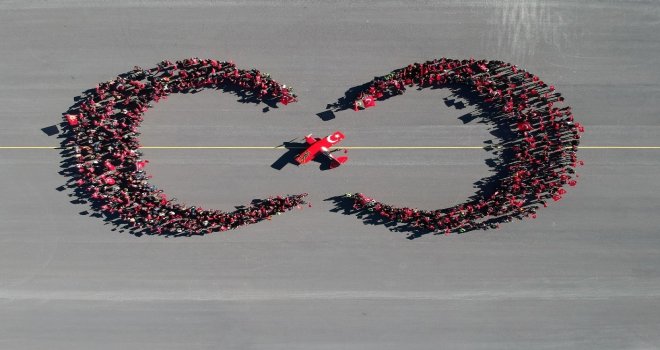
pixel 347 147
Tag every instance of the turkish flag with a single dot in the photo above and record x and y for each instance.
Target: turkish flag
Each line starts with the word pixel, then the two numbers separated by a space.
pixel 72 119
pixel 524 126
pixel 140 164
pixel 368 101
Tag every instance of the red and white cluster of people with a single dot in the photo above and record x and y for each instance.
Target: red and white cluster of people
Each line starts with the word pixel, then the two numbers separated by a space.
pixel 544 150
pixel 110 169
pixel 109 165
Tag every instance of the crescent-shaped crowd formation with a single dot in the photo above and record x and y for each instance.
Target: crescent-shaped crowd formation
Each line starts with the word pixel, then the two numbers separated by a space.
pixel 544 149
pixel 110 169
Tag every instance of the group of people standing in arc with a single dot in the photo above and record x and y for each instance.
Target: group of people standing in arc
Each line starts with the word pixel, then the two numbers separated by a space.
pixel 110 167
pixel 544 150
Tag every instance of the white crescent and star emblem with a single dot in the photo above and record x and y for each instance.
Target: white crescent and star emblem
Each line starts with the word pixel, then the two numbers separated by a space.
pixel 334 138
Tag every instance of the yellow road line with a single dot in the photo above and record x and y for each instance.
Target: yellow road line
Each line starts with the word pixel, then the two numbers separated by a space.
pixel 347 147
pixel 212 147
pixel 28 147
pixel 618 147
pixel 302 147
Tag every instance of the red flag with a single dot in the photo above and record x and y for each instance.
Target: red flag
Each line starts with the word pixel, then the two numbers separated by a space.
pixel 524 126
pixel 368 101
pixel 140 164
pixel 109 165
pixel 72 119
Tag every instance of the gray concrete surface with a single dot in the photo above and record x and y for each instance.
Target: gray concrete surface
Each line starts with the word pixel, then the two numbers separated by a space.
pixel 584 275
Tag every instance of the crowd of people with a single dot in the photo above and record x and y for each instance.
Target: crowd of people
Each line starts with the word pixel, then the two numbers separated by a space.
pixel 544 147
pixel 103 130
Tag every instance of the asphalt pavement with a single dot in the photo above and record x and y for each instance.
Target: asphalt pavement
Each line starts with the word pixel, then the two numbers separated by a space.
pixel 584 275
